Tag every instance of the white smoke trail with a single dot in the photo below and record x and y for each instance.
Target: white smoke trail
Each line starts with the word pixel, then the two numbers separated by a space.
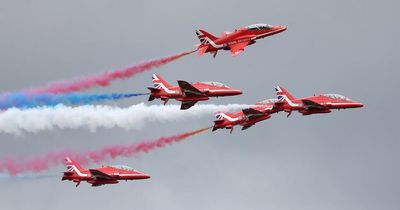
pixel 17 121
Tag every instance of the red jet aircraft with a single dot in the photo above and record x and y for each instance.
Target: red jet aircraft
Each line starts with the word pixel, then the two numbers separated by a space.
pixel 247 117
pixel 100 176
pixel 188 94
pixel 235 41
pixel 315 104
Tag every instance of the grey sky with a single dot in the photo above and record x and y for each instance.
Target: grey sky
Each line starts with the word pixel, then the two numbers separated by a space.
pixel 343 160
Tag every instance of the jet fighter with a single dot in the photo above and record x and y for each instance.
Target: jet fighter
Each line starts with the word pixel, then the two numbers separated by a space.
pixel 188 94
pixel 246 117
pixel 100 176
pixel 317 104
pixel 235 41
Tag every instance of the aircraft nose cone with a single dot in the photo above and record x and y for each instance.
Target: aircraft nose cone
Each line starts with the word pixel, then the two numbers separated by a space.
pixel 145 176
pixel 357 105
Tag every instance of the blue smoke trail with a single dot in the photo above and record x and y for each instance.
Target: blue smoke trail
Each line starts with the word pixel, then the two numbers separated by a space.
pixel 23 100
pixel 26 176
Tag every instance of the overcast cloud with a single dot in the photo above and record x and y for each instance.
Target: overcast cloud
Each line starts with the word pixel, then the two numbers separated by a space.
pixel 344 160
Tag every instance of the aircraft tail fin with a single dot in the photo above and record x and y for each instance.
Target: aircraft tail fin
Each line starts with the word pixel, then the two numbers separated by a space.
pixel 222 116
pixel 72 166
pixel 283 94
pixel 205 37
pixel 159 82
pixel 219 121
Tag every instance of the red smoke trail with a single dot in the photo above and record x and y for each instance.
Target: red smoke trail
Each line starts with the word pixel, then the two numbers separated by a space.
pixel 105 78
pixel 13 165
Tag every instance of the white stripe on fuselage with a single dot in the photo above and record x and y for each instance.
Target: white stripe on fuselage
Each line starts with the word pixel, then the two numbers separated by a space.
pixel 327 103
pixel 211 41
pixel 229 118
pixel 218 46
pixel 122 175
pixel 222 45
pixel 173 92
pixel 78 172
pixel 339 103
pixel 286 98
pixel 289 101
pixel 165 88
pixel 211 91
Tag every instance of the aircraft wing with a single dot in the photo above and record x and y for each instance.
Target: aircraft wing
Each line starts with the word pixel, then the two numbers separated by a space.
pixel 246 127
pixel 187 104
pixel 96 184
pixel 312 105
pixel 250 112
pixel 237 48
pixel 98 175
pixel 188 89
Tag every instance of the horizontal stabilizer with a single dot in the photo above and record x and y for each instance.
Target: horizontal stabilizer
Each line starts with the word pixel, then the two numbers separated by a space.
pixel 202 50
pixel 67 173
pixel 218 121
pixel 154 90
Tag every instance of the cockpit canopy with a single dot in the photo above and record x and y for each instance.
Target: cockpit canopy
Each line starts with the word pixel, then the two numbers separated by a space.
pixel 122 167
pixel 336 96
pixel 259 26
pixel 217 84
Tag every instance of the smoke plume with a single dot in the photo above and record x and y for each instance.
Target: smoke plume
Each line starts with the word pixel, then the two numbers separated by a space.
pixel 23 100
pixel 104 79
pixel 18 121
pixel 34 164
